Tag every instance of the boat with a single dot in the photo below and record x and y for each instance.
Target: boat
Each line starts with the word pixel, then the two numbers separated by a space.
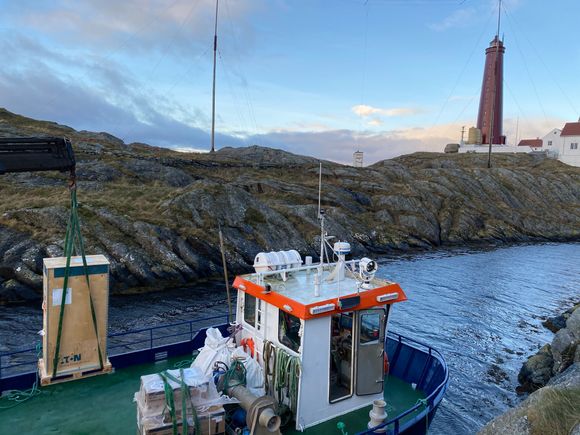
pixel 317 332
pixel 103 404
pixel 327 321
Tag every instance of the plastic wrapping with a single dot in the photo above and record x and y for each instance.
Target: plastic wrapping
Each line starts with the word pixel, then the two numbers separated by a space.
pixel 152 412
pixel 216 348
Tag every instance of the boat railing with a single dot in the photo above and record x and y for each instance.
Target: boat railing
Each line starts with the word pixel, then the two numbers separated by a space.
pixel 25 359
pixel 424 408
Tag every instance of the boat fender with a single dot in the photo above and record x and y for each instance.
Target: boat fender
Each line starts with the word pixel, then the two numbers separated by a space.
pixel 248 343
pixel 386 366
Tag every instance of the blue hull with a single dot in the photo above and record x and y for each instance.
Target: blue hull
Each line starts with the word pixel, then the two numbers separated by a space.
pixel 410 361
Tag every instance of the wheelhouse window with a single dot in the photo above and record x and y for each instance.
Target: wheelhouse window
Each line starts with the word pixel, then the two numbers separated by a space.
pixel 250 309
pixel 288 330
pixel 370 350
pixel 370 328
pixel 341 357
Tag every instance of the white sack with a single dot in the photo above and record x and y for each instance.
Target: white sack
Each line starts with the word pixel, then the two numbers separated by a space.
pixel 217 348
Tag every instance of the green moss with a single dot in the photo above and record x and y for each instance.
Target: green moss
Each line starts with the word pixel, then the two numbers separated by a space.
pixel 557 413
pixel 254 216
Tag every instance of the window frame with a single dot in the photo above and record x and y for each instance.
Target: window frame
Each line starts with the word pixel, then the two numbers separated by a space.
pixel 278 336
pixel 352 357
pixel 246 295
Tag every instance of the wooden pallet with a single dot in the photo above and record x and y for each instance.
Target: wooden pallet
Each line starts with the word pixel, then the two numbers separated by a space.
pixel 47 379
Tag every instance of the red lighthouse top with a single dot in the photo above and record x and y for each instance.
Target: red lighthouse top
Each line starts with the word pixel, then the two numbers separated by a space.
pixel 490 116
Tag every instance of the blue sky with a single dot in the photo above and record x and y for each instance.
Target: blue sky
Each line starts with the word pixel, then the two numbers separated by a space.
pixel 321 78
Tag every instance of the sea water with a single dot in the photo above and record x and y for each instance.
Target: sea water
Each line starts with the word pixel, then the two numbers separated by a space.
pixel 481 308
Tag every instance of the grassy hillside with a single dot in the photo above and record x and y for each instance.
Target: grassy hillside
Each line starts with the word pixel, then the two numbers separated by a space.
pixel 154 212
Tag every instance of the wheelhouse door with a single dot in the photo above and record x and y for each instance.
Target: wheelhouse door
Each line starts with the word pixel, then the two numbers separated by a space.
pixel 370 337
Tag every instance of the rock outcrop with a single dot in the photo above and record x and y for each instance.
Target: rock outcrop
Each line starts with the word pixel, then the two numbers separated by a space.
pixel 553 378
pixel 553 409
pixel 155 212
pixel 556 357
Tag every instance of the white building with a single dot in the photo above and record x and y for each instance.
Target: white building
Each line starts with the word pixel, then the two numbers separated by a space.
pixel 553 142
pixel 569 139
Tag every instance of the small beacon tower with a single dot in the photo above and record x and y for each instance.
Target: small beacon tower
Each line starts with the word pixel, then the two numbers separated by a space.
pixel 357 159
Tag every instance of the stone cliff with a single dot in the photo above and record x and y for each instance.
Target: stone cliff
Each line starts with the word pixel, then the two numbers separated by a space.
pixel 154 212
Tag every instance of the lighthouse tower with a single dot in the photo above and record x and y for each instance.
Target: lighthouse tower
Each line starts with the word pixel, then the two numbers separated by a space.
pixel 490 116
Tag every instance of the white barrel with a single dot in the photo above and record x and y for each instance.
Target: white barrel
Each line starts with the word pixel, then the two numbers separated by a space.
pixel 271 261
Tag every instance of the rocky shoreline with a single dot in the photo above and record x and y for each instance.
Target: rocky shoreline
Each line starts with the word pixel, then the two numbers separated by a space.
pixel 155 212
pixel 552 377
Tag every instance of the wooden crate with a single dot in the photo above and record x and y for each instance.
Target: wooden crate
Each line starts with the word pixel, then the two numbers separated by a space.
pixel 47 379
pixel 78 355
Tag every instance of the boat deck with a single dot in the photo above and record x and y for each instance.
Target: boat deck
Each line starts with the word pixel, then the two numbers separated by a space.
pixel 399 397
pixel 104 405
pixel 98 405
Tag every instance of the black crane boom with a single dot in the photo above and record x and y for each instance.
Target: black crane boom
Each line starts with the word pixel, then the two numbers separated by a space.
pixel 36 154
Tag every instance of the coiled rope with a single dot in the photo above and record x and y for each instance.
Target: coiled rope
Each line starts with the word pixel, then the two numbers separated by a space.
pixel 20 396
pixel 285 370
pixel 235 376
pixel 425 403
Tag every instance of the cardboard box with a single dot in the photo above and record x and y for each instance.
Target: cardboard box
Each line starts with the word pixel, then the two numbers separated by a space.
pixel 78 345
pixel 212 422
pixel 151 395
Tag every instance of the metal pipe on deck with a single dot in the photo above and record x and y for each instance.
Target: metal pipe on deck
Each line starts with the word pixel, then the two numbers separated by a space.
pixel 261 416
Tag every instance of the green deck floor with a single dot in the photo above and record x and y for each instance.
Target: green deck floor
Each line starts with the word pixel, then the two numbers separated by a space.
pixel 399 397
pixel 99 405
pixel 104 405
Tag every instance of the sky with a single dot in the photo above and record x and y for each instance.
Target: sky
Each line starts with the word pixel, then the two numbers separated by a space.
pixel 316 77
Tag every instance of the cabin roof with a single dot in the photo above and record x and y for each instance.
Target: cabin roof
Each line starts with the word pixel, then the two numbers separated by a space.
pixel 296 295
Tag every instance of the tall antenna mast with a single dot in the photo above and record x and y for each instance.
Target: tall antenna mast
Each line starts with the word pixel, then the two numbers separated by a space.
pixel 496 75
pixel 213 88
pixel 321 214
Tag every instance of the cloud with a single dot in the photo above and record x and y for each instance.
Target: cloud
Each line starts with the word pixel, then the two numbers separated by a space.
pixel 364 111
pixel 101 97
pixel 339 145
pixel 132 26
pixel 457 19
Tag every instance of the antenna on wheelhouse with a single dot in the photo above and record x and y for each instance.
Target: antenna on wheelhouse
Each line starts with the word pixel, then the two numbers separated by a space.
pixel 321 214
pixel 213 88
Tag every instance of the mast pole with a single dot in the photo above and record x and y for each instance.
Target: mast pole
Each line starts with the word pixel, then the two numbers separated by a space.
pixel 320 214
pixel 225 266
pixel 496 75
pixel 213 87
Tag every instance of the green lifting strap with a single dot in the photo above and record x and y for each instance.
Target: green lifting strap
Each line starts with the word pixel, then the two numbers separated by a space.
pixel 185 398
pixel 73 233
pixel 169 401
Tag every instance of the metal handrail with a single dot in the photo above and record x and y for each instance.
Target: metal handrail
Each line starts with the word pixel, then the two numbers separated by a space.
pixel 150 339
pixel 433 353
